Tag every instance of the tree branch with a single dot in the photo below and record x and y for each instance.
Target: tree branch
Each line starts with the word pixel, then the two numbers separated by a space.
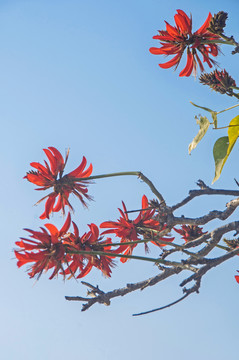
pixel 193 261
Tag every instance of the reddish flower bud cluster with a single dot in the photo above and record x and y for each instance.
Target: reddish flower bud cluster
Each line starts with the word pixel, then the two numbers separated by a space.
pixel 51 176
pixel 218 22
pixel 219 81
pixel 190 232
pixel 176 39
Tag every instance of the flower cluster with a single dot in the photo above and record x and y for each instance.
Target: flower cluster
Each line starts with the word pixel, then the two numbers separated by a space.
pixel 218 22
pixel 51 176
pixel 67 252
pixel 190 232
pixel 89 243
pixel 219 81
pixel 64 252
pixel 176 39
pixel 145 225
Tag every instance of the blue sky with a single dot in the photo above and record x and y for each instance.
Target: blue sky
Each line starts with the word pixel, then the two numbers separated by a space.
pixel 78 74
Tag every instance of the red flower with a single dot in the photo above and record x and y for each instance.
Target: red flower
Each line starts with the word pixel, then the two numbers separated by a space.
pixel 46 251
pixel 52 177
pixel 190 232
pixel 53 248
pixel 130 230
pixel 90 241
pixel 175 40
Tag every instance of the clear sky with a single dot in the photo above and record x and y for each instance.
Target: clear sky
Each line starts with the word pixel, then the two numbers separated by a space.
pixel 78 74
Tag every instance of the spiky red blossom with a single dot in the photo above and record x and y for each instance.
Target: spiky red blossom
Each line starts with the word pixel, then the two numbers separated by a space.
pixel 51 176
pixel 190 232
pixel 176 39
pixel 46 251
pixel 130 230
pixel 90 241
pixel 53 248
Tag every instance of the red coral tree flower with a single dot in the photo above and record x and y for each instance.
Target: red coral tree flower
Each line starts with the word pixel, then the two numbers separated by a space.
pixel 46 251
pixel 90 241
pixel 130 230
pixel 176 39
pixel 190 232
pixel 51 176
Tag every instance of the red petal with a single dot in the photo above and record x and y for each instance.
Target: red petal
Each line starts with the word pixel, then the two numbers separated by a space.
pixel 175 60
pixel 52 229
pixel 95 233
pixel 145 202
pixel 187 20
pixel 41 168
pixel 85 271
pixel 49 206
pixel 189 66
pixel 172 30
pixel 66 225
pixel 204 27
pixel 79 169
pixel 181 23
pixel 59 158
pixel 166 49
pixel 76 230
pixel 59 205
pixel 87 172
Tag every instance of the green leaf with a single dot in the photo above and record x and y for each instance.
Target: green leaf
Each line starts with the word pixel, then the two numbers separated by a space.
pixel 233 133
pixel 204 123
pixel 220 155
pixel 223 146
pixel 212 112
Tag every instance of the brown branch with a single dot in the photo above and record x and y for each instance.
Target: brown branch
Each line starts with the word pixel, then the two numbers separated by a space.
pixel 204 190
pixel 215 214
pixel 210 263
pixel 216 236
pixel 188 292
pixel 104 298
pixel 195 261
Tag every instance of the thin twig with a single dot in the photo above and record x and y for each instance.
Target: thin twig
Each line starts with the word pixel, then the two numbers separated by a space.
pixel 127 173
pixel 162 307
pixel 206 191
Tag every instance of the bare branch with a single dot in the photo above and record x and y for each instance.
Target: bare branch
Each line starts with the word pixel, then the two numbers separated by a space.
pixel 210 263
pixel 215 214
pixel 205 190
pixel 188 292
pixel 104 298
pixel 194 260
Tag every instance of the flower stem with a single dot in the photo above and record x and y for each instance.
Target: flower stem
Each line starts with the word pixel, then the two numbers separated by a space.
pixel 103 253
pixel 127 173
pixel 231 107
pixel 142 258
pixel 226 41
pixel 229 40
pixel 236 95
